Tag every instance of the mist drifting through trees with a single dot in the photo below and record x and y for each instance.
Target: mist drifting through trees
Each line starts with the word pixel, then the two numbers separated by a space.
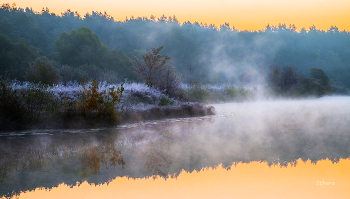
pixel 76 91
pixel 214 54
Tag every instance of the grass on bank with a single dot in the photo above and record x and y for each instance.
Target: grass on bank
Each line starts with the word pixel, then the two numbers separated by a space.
pixel 229 93
pixel 35 105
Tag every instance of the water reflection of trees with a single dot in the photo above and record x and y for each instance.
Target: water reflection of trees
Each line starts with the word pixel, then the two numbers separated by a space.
pixel 93 157
pixel 37 161
pixel 157 159
pixel 160 150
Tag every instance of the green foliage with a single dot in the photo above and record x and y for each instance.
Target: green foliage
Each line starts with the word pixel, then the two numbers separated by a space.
pixel 202 93
pixel 137 53
pixel 320 76
pixel 22 108
pixel 12 109
pixel 164 101
pixel 38 100
pixel 80 47
pixel 200 52
pixel 119 63
pixel 317 85
pixel 238 94
pixel 43 70
pixel 285 80
pixel 69 73
pixel 15 58
pixel 88 73
pixel 83 48
pixel 197 93
pixel 34 105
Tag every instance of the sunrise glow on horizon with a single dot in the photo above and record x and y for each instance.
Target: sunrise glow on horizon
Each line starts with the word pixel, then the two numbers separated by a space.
pixel 242 14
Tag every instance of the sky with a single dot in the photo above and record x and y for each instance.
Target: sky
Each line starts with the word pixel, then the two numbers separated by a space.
pixel 243 14
pixel 252 180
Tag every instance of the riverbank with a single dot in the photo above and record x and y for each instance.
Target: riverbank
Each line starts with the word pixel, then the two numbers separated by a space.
pixel 185 109
pixel 90 105
pixel 75 105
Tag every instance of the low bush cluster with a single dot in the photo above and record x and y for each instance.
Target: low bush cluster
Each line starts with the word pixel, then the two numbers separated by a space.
pixel 19 108
pixel 93 105
pixel 164 101
pixel 42 70
pixel 229 93
pixel 35 105
pixel 287 81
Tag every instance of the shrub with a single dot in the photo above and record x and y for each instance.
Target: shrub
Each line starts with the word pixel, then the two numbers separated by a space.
pixel 157 72
pixel 284 80
pixel 94 104
pixel 34 105
pixel 164 101
pixel 232 92
pixel 24 107
pixel 197 93
pixel 37 99
pixel 319 75
pixel 317 85
pixel 11 108
pixel 69 74
pixel 43 70
pixel 169 83
pixel 238 94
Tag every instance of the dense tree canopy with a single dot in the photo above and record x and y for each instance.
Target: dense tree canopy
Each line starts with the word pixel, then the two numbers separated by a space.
pixel 318 84
pixel 200 52
pixel 84 47
pixel 81 47
pixel 15 57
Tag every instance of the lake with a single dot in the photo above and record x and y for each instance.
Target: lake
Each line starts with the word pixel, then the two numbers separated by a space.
pixel 265 149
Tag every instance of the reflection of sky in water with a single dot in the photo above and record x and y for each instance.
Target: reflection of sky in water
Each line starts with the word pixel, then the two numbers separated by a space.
pixel 252 180
pixel 282 133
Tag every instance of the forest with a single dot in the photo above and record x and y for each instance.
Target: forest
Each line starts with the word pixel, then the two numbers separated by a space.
pixel 215 54
pixel 181 62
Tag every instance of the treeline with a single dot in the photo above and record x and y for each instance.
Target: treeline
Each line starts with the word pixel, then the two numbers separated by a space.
pixel 200 52
pixel 286 81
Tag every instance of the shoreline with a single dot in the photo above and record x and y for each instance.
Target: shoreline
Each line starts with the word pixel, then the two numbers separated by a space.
pixel 129 116
pixel 185 109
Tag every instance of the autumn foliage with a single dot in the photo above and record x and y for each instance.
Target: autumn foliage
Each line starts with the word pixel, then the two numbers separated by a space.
pixel 95 104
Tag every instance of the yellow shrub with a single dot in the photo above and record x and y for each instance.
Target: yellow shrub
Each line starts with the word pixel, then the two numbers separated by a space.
pixel 97 105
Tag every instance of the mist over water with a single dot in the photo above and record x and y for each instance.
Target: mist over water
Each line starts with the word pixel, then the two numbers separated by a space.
pixel 274 131
pixel 312 116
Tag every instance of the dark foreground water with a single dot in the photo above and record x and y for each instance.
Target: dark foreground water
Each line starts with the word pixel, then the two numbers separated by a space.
pixel 272 149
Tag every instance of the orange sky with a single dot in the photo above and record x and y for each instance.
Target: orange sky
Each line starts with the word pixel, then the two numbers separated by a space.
pixel 243 14
pixel 253 180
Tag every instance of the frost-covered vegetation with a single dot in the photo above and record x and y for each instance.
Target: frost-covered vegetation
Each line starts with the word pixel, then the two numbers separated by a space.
pixel 38 105
pixel 140 96
pixel 26 104
pixel 76 105
pixel 50 54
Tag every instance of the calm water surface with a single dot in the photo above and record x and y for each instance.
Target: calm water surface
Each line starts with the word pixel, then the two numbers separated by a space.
pixel 271 149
